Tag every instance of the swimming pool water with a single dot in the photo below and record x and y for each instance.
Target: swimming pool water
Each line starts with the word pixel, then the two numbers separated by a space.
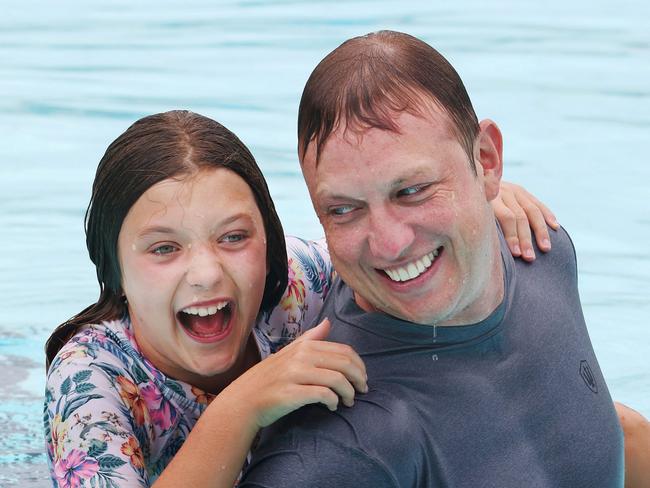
pixel 568 82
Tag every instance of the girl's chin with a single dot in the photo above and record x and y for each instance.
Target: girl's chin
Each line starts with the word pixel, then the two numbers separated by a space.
pixel 211 366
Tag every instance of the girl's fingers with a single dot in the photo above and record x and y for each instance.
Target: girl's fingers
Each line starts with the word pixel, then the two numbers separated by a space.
pixel 283 401
pixel 308 394
pixel 346 367
pixel 521 214
pixel 540 218
pixel 306 371
pixel 537 223
pixel 335 381
pixel 508 225
pixel 521 226
pixel 549 217
pixel 317 333
pixel 317 352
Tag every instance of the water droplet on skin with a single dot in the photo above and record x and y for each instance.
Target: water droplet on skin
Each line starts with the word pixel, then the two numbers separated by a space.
pixel 133 247
pixel 189 246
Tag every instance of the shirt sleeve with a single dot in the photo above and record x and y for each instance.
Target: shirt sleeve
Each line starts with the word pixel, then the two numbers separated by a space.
pixel 310 279
pixel 318 462
pixel 94 421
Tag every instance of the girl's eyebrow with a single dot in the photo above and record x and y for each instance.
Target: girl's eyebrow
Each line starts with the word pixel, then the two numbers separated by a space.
pixel 156 229
pixel 161 229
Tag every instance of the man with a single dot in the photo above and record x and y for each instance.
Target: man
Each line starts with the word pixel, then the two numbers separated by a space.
pixel 480 368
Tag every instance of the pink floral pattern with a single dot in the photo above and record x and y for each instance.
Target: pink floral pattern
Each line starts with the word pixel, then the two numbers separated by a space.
pixel 74 469
pixel 111 418
pixel 294 298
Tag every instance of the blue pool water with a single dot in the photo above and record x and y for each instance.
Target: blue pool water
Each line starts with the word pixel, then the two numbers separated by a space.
pixel 568 82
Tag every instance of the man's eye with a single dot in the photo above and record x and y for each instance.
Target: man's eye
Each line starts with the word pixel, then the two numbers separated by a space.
pixel 412 190
pixel 164 250
pixel 341 210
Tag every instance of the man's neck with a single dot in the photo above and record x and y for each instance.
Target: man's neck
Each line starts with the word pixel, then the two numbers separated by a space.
pixel 486 300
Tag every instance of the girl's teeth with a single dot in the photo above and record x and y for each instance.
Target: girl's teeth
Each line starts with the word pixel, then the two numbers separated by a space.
pixel 204 311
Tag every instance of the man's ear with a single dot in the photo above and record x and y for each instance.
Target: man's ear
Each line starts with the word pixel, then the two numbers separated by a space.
pixel 489 156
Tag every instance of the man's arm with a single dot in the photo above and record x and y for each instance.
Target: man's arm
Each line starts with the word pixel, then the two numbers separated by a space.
pixel 637 447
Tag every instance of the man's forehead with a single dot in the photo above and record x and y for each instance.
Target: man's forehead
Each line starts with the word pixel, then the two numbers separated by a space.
pixel 353 132
pixel 352 142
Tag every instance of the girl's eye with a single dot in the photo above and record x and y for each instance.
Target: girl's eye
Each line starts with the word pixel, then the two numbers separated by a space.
pixel 164 250
pixel 234 237
pixel 341 210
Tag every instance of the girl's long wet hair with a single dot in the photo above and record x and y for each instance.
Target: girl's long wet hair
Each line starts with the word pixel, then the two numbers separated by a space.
pixel 155 148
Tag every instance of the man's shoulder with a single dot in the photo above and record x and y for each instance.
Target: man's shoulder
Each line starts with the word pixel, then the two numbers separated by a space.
pixel 366 442
pixel 561 258
pixel 562 243
pixel 315 461
pixel 380 406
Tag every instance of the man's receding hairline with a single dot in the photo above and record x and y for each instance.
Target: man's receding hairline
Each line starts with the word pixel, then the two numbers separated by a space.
pixel 358 129
pixel 369 79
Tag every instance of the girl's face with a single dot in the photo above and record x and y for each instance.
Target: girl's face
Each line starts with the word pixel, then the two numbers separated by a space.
pixel 192 253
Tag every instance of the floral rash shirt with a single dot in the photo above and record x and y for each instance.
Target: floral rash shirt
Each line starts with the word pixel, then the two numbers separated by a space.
pixel 113 420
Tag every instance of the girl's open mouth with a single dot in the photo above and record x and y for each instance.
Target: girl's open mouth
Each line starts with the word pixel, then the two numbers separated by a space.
pixel 206 324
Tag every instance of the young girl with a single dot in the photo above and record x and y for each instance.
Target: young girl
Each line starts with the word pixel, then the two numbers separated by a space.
pixel 190 256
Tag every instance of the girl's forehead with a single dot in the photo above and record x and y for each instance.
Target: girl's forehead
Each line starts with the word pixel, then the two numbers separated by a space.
pixel 213 194
pixel 208 183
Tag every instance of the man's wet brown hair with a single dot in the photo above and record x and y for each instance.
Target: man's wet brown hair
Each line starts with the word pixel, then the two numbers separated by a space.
pixel 173 144
pixel 367 80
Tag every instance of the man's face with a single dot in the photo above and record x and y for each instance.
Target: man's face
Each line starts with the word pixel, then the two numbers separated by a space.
pixel 408 224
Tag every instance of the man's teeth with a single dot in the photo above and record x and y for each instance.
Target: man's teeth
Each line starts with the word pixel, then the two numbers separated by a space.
pixel 204 311
pixel 413 269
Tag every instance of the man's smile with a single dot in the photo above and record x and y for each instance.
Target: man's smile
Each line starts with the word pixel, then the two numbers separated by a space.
pixel 412 270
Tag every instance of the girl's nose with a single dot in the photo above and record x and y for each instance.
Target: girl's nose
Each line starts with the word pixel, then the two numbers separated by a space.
pixel 204 269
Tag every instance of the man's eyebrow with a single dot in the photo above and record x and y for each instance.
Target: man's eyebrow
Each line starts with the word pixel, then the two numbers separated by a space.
pixel 419 173
pixel 424 172
pixel 334 195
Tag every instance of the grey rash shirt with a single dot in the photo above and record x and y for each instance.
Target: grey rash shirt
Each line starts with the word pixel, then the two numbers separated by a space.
pixel 517 400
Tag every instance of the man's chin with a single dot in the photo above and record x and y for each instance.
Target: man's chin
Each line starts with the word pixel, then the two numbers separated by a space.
pixel 401 311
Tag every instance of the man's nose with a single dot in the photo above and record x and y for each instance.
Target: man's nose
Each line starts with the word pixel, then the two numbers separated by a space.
pixel 205 268
pixel 389 236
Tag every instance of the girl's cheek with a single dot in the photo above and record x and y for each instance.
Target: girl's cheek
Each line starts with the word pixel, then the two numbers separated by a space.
pixel 149 278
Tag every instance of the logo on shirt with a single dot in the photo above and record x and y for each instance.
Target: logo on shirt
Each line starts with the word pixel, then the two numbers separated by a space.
pixel 588 376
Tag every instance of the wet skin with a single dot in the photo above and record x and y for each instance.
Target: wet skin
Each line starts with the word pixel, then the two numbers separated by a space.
pixel 388 199
pixel 195 242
